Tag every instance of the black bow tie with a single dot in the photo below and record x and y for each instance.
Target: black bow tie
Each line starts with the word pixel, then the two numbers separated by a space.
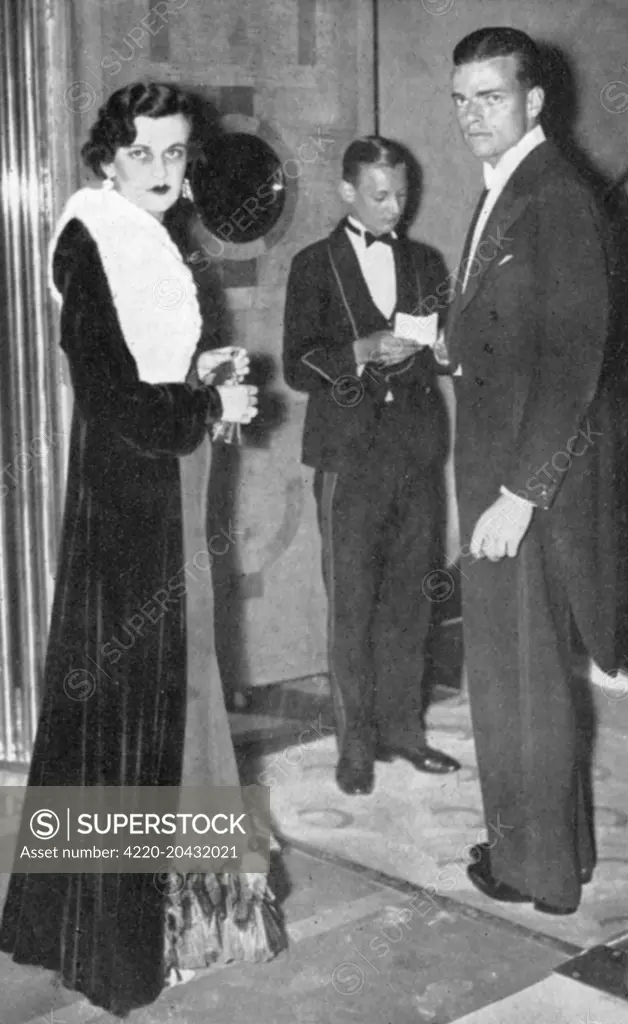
pixel 369 237
pixel 386 239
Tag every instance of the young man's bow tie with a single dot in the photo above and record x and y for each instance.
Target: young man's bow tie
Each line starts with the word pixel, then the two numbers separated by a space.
pixel 369 237
pixel 387 239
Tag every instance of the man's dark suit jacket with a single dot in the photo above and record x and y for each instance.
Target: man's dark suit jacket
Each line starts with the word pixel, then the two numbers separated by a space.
pixel 530 333
pixel 328 305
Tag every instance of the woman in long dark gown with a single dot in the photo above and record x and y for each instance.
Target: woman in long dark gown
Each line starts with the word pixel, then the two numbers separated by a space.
pixel 132 695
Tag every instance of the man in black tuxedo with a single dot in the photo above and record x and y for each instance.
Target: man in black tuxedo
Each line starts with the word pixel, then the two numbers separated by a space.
pixel 376 434
pixel 534 464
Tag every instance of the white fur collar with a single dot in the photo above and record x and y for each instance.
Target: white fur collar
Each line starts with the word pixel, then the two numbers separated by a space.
pixel 153 290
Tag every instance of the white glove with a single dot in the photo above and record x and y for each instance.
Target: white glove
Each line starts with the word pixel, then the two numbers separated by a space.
pixel 239 402
pixel 208 362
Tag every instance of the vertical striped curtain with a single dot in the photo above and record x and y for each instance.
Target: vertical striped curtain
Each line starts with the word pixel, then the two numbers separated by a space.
pixel 33 435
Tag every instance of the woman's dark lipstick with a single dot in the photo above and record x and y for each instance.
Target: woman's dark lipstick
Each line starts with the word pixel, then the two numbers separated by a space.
pixel 161 189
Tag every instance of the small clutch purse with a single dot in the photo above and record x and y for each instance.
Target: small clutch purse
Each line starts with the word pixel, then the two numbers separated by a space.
pixel 228 433
pixel 224 431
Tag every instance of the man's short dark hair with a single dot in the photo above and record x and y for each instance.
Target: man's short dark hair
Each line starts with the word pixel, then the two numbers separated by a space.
pixel 487 43
pixel 371 151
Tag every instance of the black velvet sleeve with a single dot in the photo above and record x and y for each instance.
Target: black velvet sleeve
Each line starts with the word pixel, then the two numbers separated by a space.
pixel 169 418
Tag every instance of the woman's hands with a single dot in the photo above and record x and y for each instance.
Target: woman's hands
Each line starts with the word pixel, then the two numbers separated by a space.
pixel 208 363
pixel 239 402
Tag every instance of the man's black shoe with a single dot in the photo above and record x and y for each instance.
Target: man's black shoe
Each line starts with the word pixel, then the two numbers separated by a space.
pixel 424 759
pixel 547 908
pixel 480 874
pixel 482 852
pixel 355 776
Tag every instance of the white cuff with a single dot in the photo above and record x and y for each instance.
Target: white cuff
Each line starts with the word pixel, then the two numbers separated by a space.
pixel 517 497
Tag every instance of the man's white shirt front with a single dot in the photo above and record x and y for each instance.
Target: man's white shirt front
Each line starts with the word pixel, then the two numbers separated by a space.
pixel 377 263
pixel 495 180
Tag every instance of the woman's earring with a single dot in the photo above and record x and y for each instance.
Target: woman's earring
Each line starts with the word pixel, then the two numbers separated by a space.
pixel 186 191
pixel 108 184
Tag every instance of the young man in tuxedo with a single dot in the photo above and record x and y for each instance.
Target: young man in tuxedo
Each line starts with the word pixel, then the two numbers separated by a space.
pixel 376 435
pixel 527 331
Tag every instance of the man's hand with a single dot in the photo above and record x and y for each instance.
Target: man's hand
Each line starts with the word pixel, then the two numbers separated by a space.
pixel 383 348
pixel 500 530
pixel 394 349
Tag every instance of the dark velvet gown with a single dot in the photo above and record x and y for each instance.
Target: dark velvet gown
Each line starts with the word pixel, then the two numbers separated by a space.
pixel 116 703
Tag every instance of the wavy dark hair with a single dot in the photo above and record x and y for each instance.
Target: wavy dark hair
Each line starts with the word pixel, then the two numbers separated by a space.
pixel 372 150
pixel 487 43
pixel 115 127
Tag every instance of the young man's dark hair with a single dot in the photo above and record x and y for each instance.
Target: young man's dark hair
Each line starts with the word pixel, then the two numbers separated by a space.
pixel 373 150
pixel 488 43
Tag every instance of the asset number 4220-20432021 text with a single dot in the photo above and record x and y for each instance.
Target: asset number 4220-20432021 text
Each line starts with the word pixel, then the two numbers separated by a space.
pixel 176 852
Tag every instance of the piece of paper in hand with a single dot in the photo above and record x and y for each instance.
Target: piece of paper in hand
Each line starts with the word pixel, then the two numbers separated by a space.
pixel 422 330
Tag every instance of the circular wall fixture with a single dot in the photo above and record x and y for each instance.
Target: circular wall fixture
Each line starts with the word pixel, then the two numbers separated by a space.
pixel 244 197
pixel 246 192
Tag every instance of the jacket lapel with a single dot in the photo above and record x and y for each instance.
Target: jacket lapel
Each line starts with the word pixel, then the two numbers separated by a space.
pixel 409 295
pixel 508 208
pixel 506 211
pixel 454 307
pixel 355 287
pixel 350 273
